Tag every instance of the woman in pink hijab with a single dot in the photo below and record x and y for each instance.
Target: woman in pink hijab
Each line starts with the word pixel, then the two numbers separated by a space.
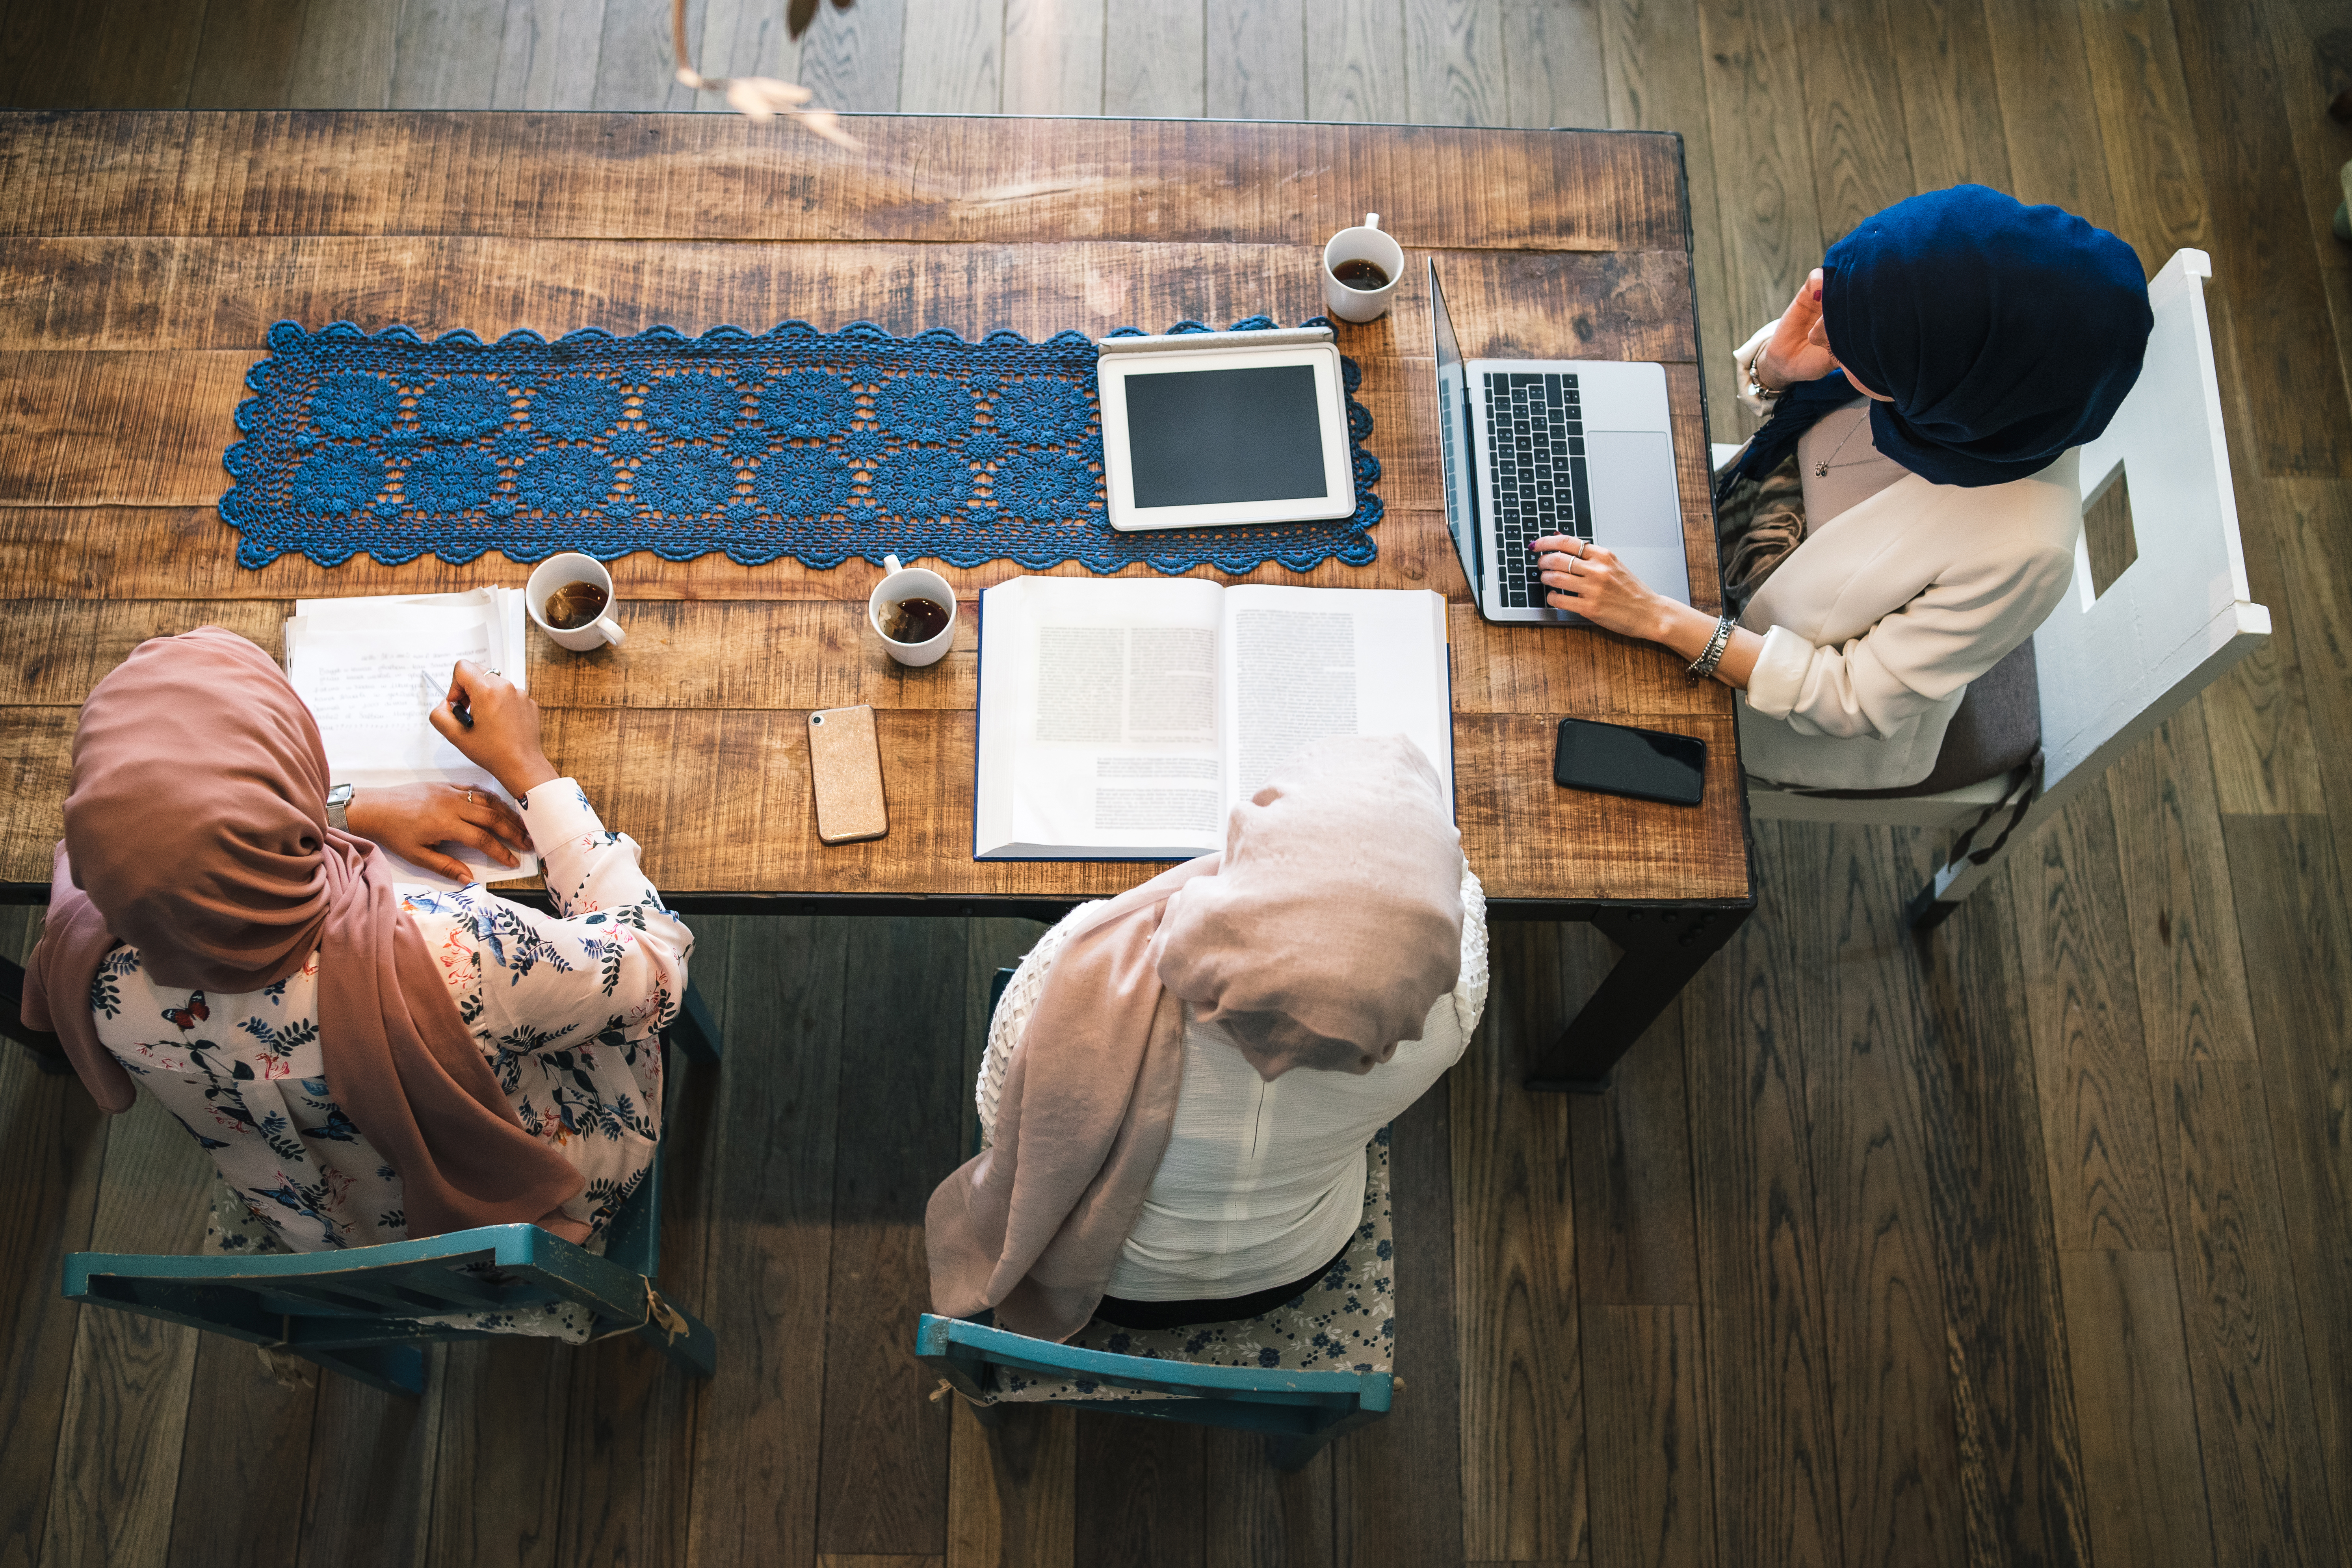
pixel 366 1061
pixel 1180 1083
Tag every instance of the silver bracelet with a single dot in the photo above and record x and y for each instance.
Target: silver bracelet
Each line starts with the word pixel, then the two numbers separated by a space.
pixel 1704 665
pixel 1755 384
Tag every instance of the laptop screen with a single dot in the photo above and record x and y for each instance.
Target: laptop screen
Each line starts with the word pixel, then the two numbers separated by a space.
pixel 1453 444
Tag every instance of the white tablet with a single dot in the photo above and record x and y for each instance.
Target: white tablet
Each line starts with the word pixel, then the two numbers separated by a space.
pixel 1206 431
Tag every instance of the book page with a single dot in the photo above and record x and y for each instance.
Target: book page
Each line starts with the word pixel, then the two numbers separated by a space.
pixel 1099 719
pixel 1307 663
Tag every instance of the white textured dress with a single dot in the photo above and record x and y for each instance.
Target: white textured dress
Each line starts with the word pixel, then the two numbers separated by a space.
pixel 1263 1182
pixel 566 1009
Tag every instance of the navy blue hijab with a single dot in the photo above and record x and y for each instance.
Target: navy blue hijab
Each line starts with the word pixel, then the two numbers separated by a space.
pixel 2004 333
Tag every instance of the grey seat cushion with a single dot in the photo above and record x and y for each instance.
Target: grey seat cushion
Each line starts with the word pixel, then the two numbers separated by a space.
pixel 1996 728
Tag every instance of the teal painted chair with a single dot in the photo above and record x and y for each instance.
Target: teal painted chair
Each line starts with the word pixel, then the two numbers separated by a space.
pixel 1298 1412
pixel 365 1313
pixel 1303 1374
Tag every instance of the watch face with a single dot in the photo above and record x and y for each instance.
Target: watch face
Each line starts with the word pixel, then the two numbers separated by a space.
pixel 340 796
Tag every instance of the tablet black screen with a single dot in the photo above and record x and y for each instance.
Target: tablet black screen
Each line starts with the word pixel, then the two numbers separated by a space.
pixel 1207 436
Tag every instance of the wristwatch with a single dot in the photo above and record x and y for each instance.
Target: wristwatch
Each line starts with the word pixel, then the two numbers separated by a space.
pixel 338 800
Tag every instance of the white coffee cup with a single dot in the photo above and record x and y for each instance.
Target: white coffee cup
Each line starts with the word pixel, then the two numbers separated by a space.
pixel 912 582
pixel 558 571
pixel 1368 242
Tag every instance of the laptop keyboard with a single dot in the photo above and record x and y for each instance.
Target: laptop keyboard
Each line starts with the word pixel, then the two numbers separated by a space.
pixel 1536 426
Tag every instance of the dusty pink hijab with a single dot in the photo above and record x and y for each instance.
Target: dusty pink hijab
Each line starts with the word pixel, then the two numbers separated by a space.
pixel 1320 938
pixel 197 831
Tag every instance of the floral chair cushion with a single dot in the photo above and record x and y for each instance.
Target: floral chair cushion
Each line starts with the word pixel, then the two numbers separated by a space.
pixel 1346 1322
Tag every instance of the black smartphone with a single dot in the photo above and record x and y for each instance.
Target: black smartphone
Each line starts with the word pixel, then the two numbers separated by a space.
pixel 1617 759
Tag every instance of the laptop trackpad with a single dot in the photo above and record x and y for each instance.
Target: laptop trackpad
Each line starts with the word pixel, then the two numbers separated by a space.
pixel 1636 505
pixel 1667 571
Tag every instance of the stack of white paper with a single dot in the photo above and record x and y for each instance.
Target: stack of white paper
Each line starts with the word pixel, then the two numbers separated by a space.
pixel 360 664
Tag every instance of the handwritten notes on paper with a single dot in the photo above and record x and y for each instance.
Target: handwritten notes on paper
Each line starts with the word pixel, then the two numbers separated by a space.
pixel 356 663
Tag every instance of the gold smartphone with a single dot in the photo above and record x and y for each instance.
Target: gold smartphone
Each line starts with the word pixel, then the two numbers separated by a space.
pixel 846 766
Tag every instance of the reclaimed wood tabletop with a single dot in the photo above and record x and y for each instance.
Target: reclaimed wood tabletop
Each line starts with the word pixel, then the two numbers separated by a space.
pixel 144 256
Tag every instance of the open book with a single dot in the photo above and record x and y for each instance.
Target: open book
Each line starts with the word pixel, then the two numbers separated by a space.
pixel 361 665
pixel 1121 721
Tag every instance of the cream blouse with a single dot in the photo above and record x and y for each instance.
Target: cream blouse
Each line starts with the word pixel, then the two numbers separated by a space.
pixel 1876 623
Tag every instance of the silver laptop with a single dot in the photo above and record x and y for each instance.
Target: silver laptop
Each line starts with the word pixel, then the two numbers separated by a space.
pixel 1532 446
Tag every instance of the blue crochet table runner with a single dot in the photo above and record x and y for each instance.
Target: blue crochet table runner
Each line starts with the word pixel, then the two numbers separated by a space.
pixel 793 442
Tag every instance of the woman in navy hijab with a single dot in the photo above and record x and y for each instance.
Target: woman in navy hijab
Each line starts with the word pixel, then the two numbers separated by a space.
pixel 1906 516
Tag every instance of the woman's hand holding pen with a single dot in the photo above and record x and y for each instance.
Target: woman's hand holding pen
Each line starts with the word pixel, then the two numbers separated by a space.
pixel 504 734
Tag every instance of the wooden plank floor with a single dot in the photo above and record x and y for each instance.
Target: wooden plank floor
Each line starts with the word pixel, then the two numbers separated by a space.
pixel 2028 1243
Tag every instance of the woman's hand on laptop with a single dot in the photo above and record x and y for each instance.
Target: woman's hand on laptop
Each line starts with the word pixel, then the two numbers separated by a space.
pixel 1590 580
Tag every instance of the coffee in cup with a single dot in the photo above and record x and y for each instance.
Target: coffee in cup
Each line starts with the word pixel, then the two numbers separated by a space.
pixel 914 619
pixel 1360 268
pixel 570 596
pixel 914 609
pixel 576 604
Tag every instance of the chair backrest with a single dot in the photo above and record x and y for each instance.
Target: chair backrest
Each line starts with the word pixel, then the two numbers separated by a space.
pixel 1277 1401
pixel 2112 666
pixel 493 1268
pixel 360 1312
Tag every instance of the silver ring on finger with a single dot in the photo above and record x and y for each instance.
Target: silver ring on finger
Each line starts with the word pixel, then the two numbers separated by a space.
pixel 470 798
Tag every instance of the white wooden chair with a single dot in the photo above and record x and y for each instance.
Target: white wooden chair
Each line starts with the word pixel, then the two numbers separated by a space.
pixel 2110 666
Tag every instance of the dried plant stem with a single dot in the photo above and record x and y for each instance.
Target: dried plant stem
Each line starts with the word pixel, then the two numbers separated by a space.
pixel 757 97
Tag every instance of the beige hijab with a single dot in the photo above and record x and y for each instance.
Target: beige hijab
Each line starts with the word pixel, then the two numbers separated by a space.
pixel 1320 938
pixel 197 831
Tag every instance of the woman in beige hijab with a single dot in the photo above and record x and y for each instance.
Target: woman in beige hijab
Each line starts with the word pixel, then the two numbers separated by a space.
pixel 1180 1083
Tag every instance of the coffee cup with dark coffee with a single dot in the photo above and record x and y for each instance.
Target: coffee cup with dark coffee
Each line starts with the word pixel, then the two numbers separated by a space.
pixel 914 610
pixel 570 597
pixel 1360 268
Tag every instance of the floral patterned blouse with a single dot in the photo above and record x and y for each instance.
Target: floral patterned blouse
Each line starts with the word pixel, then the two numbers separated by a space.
pixel 566 1010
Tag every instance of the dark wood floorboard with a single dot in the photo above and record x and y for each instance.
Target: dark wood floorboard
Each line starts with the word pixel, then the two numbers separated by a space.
pixel 883 1470
pixel 369 1493
pixel 1141 1498
pixel 1757 1009
pixel 2027 1244
pixel 2013 1408
pixel 258 1420
pixel 1515 1276
pixel 1882 1290
pixel 1012 1492
pixel 52 1141
pixel 1398 1493
pixel 497 1502
pixel 2299 969
pixel 767 1258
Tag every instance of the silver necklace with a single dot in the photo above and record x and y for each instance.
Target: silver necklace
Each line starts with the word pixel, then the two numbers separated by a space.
pixel 1821 469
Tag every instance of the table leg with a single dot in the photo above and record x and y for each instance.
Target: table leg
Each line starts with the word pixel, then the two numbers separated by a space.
pixel 1662 949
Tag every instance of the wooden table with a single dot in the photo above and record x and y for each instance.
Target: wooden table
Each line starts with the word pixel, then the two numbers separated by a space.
pixel 143 256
